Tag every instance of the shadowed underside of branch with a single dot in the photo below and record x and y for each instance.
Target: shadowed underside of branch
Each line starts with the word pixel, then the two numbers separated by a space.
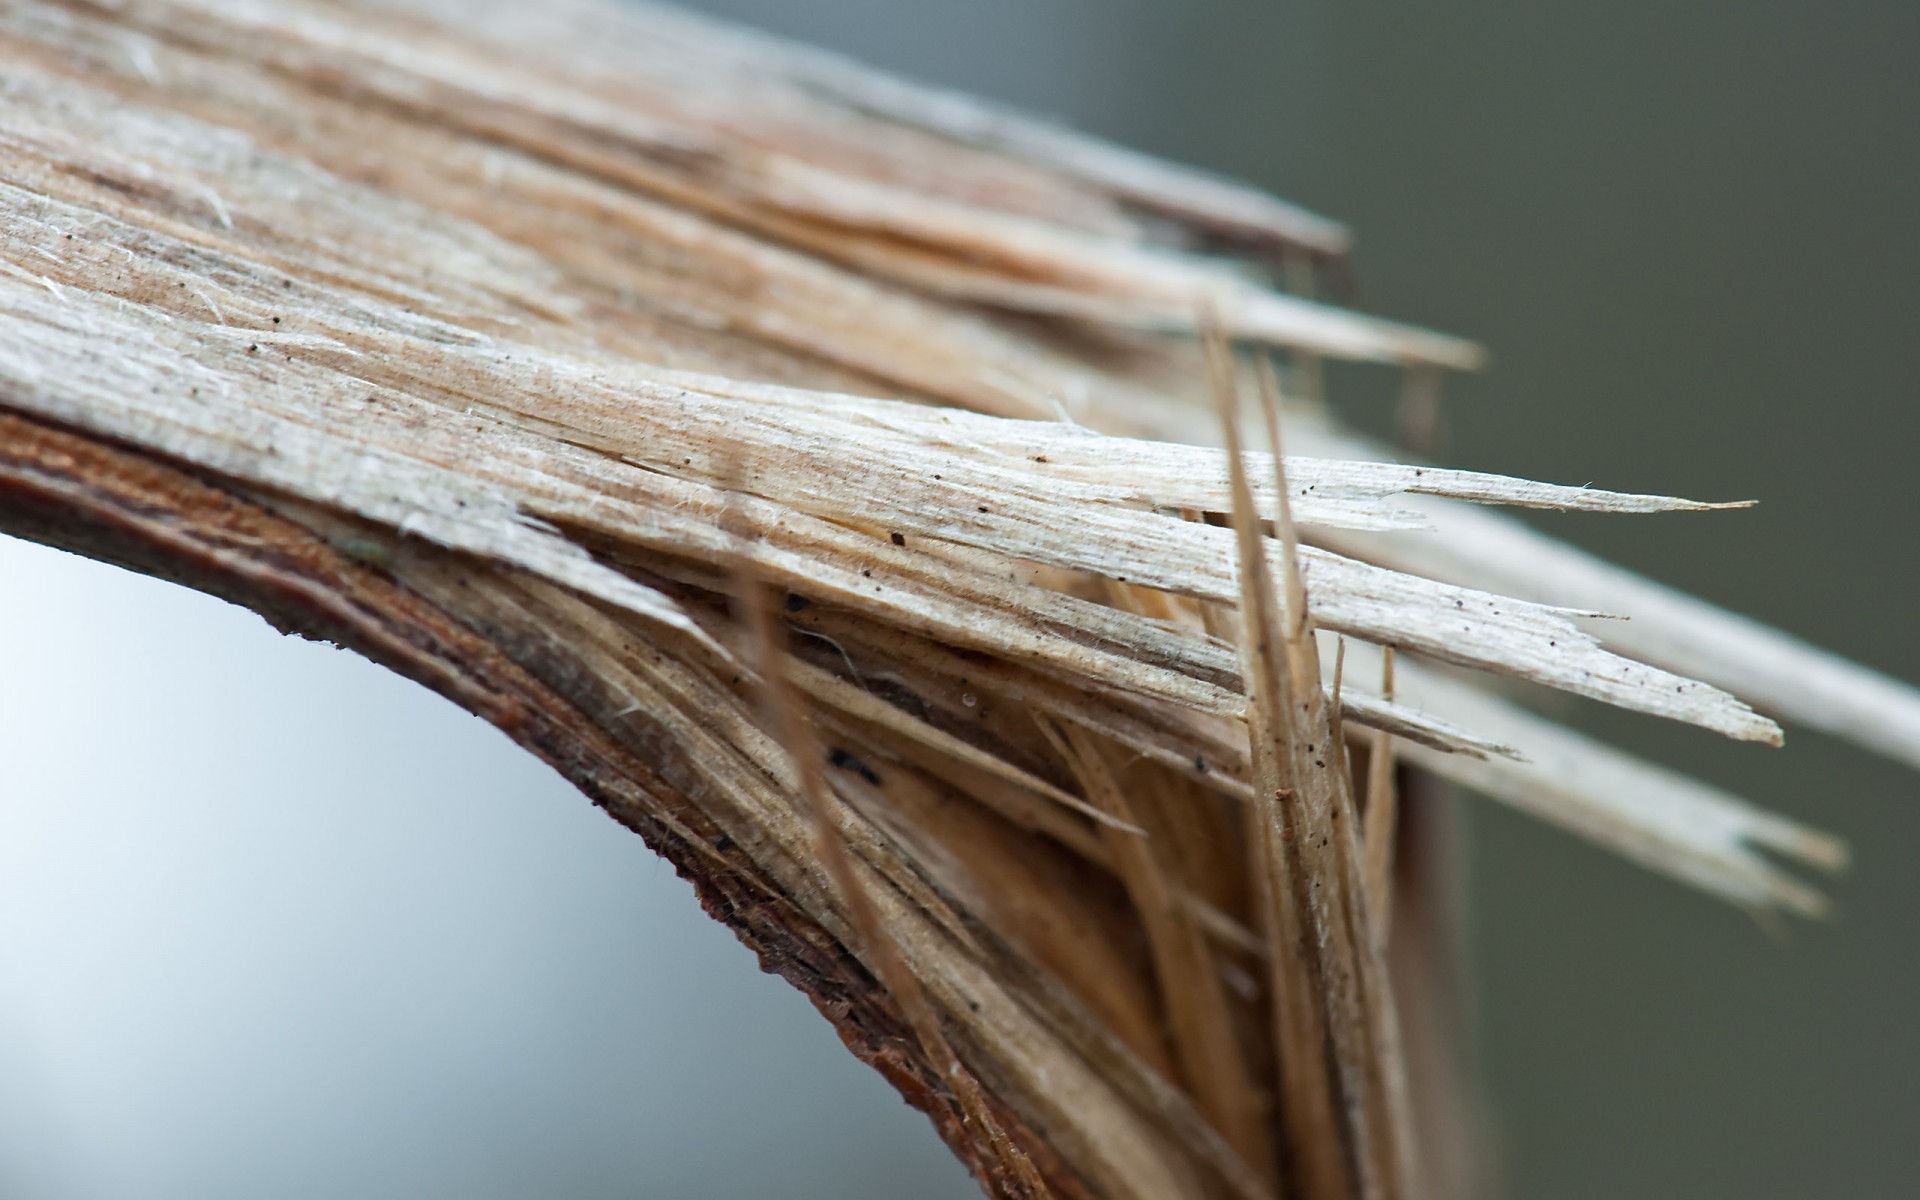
pixel 1050 750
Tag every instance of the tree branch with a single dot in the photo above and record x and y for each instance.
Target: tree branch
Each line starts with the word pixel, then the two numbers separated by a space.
pixel 480 338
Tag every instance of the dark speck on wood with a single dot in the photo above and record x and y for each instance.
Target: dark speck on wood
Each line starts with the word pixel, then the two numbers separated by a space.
pixel 847 762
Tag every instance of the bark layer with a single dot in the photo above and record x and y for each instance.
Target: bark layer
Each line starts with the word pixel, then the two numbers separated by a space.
pixel 500 342
pixel 117 505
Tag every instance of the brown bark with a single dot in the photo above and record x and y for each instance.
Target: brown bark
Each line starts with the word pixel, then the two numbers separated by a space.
pixel 499 342
pixel 117 505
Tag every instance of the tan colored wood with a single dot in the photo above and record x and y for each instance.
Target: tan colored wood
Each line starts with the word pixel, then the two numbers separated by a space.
pixel 489 339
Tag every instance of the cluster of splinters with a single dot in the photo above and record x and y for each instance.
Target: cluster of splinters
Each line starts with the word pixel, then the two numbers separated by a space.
pixel 825 442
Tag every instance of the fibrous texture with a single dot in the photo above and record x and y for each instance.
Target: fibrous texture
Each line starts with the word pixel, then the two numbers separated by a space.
pixel 826 474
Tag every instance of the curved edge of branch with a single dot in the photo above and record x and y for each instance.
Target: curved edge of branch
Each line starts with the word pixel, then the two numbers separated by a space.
pixel 133 510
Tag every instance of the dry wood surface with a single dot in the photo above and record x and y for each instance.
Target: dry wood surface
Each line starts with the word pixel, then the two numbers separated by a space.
pixel 825 473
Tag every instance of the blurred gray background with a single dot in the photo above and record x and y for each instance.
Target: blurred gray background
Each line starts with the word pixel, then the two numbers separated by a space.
pixel 376 952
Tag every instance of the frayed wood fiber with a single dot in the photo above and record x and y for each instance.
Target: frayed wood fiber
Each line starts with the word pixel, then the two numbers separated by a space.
pixel 1049 748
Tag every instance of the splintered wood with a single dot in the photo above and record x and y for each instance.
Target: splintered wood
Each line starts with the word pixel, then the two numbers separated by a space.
pixel 503 342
